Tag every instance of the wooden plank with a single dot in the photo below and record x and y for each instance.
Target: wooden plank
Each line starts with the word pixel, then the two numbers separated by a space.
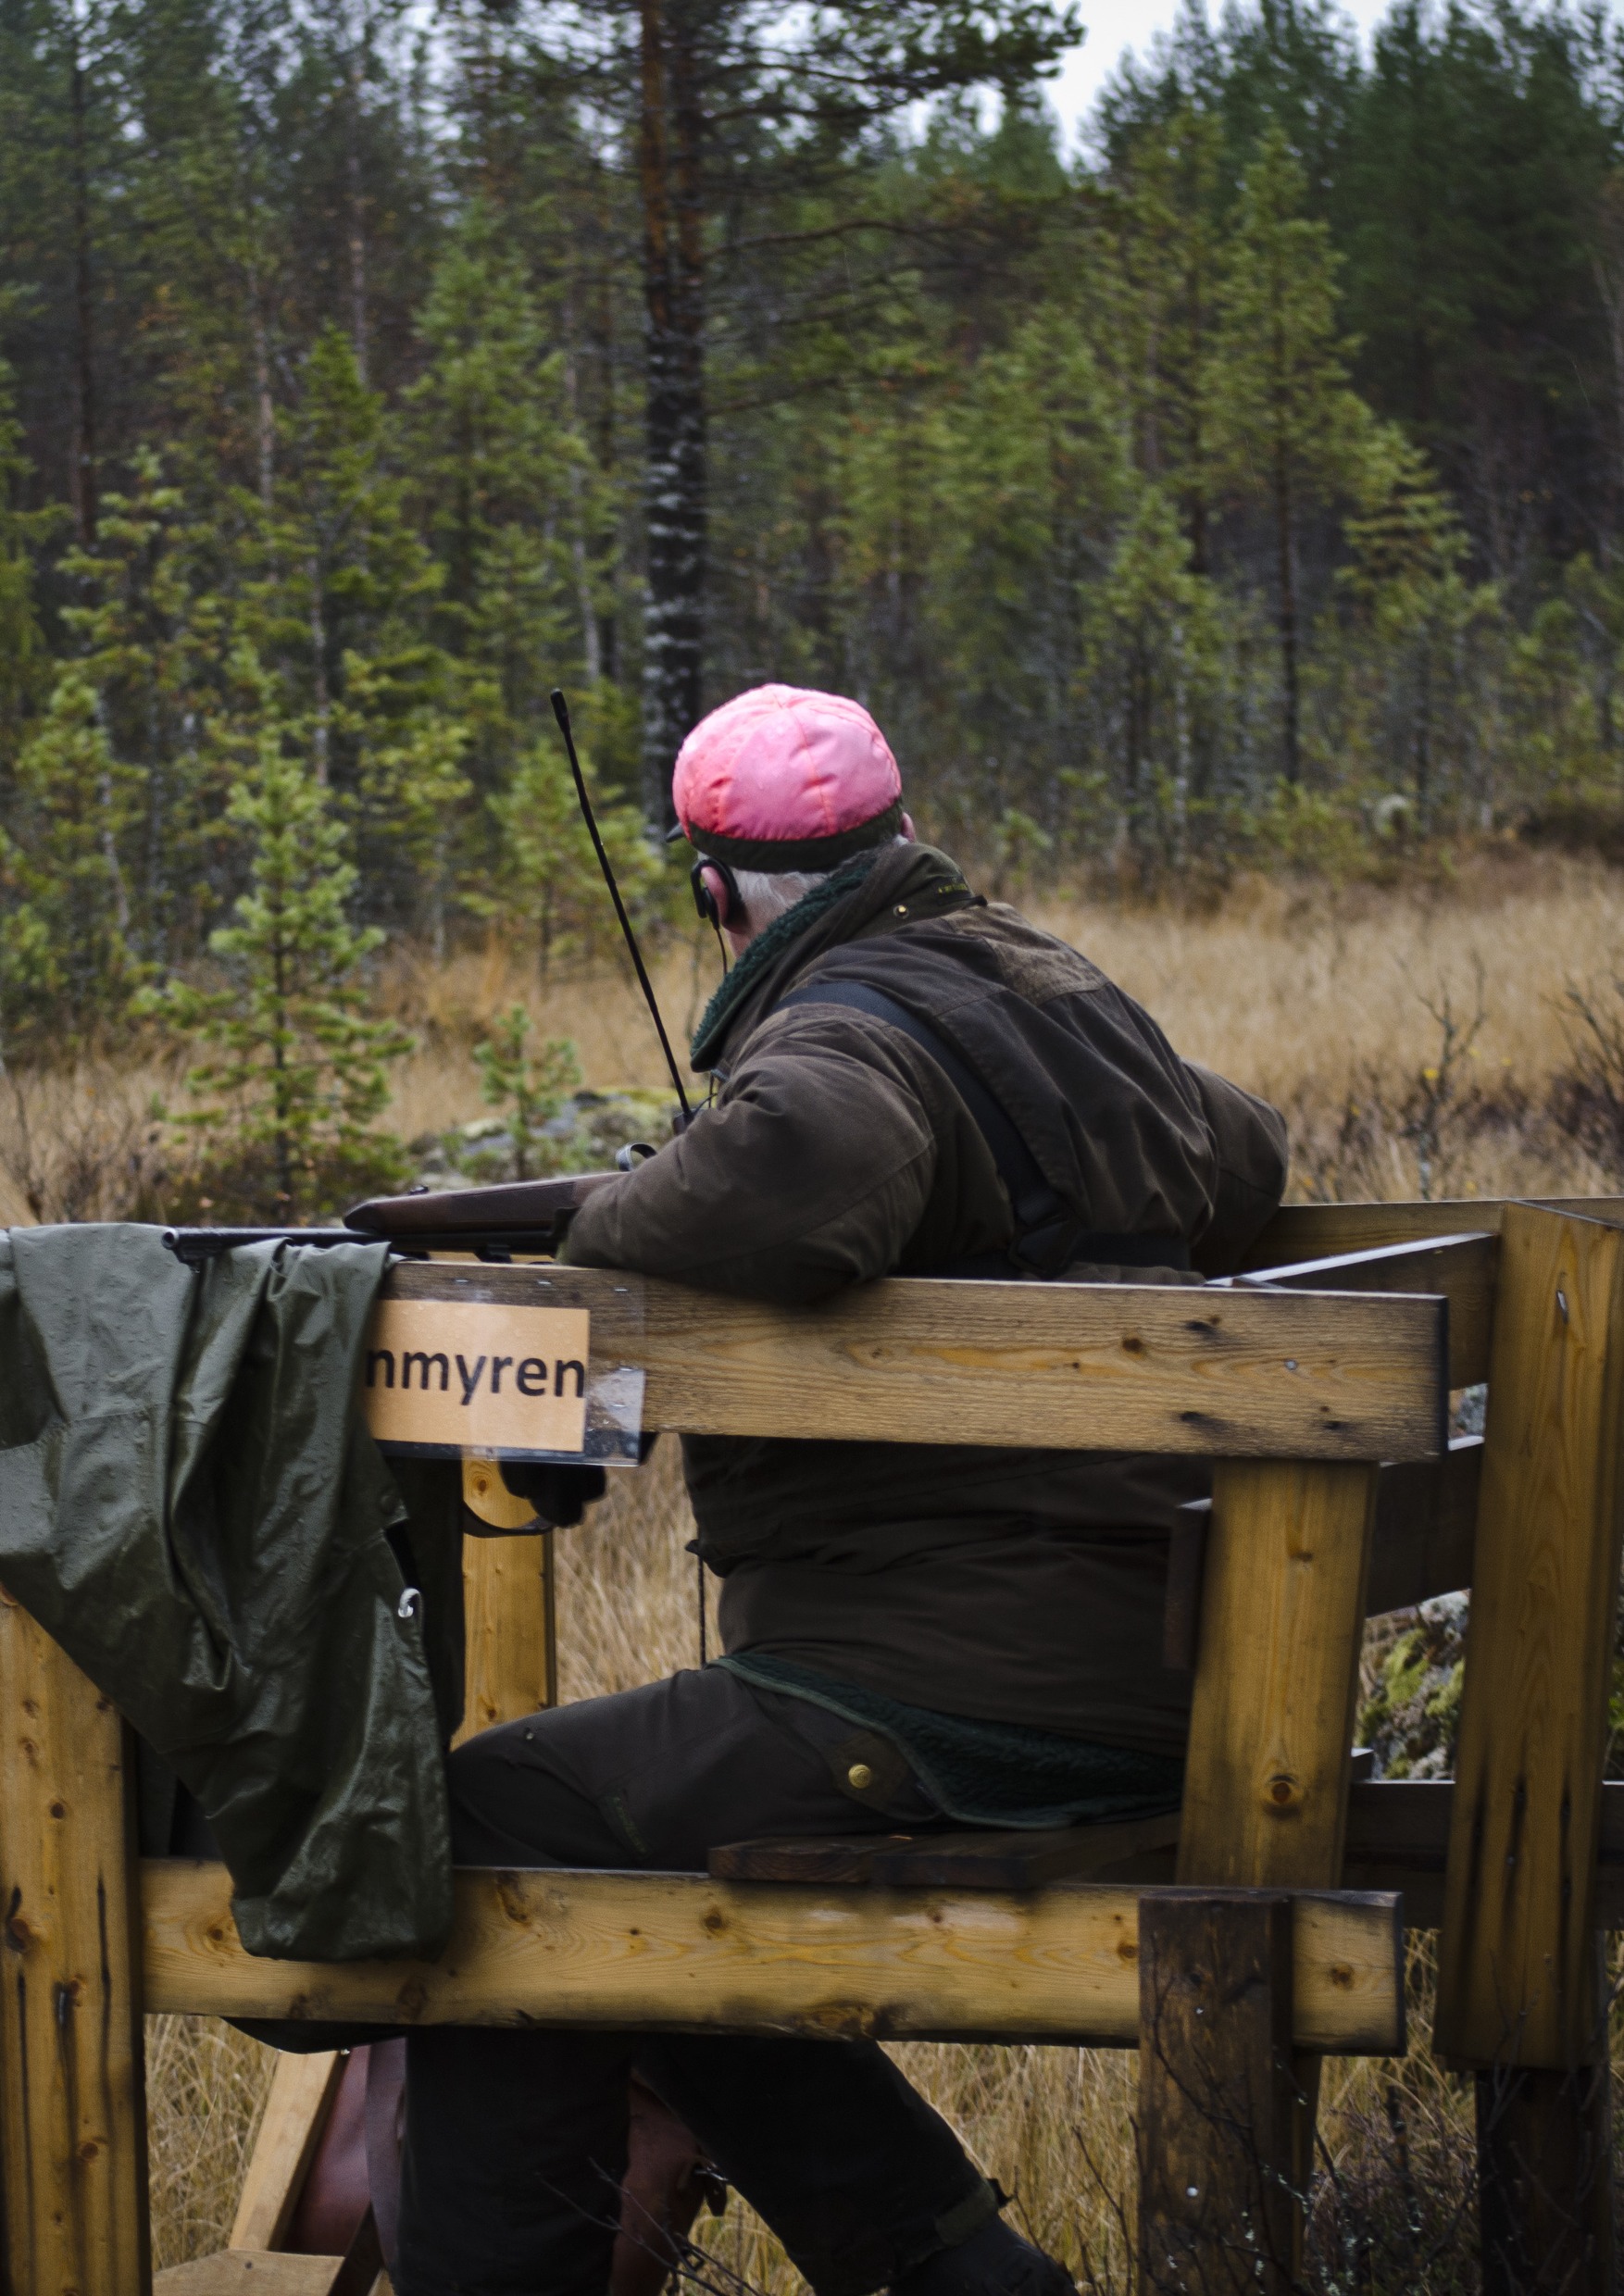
pixel 235 2272
pixel 1277 1675
pixel 511 1666
pixel 1544 2153
pixel 72 2109
pixel 1218 2103
pixel 1132 1366
pixel 1001 1859
pixel 1421 1544
pixel 1425 1532
pixel 1459 1269
pixel 1516 1983
pixel 1397 1839
pixel 1307 1231
pixel 681 1951
pixel 302 2090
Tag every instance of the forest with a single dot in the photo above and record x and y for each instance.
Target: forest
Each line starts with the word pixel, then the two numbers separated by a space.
pixel 1245 489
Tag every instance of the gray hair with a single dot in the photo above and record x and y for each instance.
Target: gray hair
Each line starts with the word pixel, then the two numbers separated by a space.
pixel 766 894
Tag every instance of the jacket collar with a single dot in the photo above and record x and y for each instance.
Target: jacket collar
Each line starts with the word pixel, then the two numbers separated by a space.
pixel 872 893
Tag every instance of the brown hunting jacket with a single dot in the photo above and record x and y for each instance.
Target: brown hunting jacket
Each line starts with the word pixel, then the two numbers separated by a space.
pixel 1008 1586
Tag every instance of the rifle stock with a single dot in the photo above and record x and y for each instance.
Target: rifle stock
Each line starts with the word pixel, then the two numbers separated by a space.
pixel 529 1216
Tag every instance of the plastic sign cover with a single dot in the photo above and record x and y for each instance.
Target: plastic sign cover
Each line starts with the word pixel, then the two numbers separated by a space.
pixel 465 1375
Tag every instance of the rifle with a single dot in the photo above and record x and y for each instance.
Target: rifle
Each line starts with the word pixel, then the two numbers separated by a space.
pixel 526 1216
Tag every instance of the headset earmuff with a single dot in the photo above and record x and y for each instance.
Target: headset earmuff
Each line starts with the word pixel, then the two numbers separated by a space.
pixel 715 893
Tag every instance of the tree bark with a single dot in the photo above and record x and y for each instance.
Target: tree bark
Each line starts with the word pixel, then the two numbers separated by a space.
pixel 264 406
pixel 82 477
pixel 669 155
pixel 1286 552
pixel 357 202
pixel 1285 537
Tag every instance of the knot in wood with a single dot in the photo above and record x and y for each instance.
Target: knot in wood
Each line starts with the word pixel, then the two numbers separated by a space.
pixel 1283 1791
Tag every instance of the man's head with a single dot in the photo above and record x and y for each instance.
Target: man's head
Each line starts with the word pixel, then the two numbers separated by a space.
pixel 773 790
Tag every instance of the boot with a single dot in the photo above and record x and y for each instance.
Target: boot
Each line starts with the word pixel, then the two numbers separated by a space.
pixel 992 2262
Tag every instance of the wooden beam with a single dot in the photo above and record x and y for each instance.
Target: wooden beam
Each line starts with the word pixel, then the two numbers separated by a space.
pixel 1517 1964
pixel 1425 1532
pixel 302 2091
pixel 1460 1269
pixel 72 2108
pixel 1218 2103
pixel 1120 1367
pixel 1398 1839
pixel 681 1951
pixel 1307 1231
pixel 1267 1778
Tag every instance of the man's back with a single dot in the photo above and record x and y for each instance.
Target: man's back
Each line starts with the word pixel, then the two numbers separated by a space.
pixel 1006 1586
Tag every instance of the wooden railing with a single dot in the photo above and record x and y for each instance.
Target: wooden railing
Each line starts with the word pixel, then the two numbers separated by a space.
pixel 1322 1392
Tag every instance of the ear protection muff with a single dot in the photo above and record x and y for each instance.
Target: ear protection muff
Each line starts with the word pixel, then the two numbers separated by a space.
pixel 715 893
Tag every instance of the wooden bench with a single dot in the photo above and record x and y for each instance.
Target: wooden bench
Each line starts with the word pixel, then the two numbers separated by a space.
pixel 1270 1934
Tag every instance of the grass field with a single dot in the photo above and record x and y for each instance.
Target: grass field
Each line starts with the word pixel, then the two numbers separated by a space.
pixel 1423 1040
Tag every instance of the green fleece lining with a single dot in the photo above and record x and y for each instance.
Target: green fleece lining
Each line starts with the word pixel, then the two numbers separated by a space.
pixel 986 1773
pixel 768 946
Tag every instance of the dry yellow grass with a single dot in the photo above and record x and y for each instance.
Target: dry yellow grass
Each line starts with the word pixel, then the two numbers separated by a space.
pixel 1305 994
pixel 1312 999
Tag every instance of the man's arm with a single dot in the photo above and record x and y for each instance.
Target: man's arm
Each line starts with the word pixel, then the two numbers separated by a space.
pixel 1251 1158
pixel 810 1170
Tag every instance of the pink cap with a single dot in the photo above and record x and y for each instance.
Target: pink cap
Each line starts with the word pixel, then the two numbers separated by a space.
pixel 786 778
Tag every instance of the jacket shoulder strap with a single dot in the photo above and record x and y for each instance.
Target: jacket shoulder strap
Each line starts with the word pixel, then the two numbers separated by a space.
pixel 1047 1238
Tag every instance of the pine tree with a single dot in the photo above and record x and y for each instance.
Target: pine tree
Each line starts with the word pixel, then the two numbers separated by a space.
pixel 297 1071
pixel 70 918
pixel 546 870
pixel 531 1087
pixel 516 512
pixel 23 661
pixel 337 588
pixel 1286 424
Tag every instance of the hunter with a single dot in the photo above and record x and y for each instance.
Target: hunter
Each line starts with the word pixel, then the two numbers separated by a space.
pixel 907 1079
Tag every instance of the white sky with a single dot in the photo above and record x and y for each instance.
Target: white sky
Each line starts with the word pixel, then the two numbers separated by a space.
pixel 1114 25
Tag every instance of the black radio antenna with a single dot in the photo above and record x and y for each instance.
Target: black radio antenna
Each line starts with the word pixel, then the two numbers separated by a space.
pixel 561 711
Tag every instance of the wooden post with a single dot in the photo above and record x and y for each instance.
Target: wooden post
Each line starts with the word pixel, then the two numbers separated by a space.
pixel 508 1593
pixel 72 2093
pixel 1516 1980
pixel 1276 1679
pixel 1545 2180
pixel 1218 2100
pixel 512 1664
pixel 1277 1675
